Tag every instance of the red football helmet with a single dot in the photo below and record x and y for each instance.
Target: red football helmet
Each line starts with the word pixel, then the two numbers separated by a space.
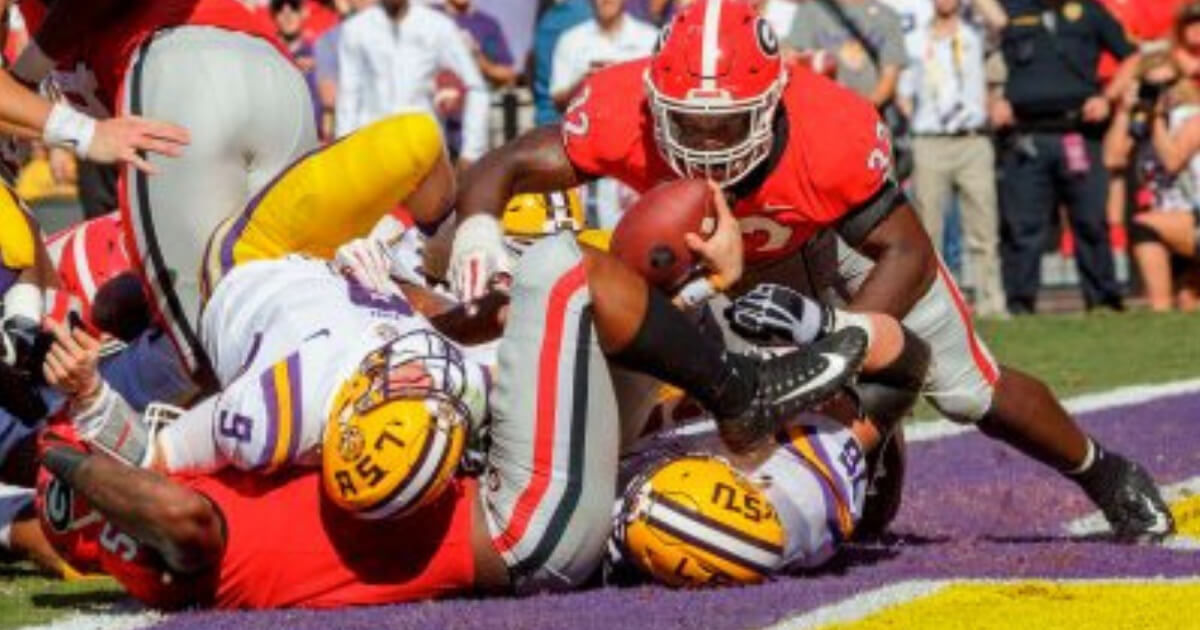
pixel 86 257
pixel 713 84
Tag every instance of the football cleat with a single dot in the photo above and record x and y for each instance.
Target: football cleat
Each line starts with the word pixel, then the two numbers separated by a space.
pixel 1133 505
pixel 793 382
pixel 392 442
pixel 695 521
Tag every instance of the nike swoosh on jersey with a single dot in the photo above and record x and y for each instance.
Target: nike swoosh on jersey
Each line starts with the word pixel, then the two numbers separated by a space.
pixel 834 368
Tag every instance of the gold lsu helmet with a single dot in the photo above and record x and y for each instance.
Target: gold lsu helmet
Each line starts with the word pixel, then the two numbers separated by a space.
pixel 390 448
pixel 530 216
pixel 694 520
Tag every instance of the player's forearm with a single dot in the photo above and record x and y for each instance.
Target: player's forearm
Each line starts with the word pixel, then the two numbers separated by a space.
pixel 22 112
pixel 905 265
pixel 177 522
pixel 534 162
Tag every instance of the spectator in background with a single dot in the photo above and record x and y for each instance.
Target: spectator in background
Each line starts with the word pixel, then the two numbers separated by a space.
pixel 946 101
pixel 325 55
pixel 483 37
pixel 610 37
pixel 485 40
pixel 1057 115
pixel 289 17
pixel 561 16
pixel 864 36
pixel 655 12
pixel 1160 123
pixel 389 58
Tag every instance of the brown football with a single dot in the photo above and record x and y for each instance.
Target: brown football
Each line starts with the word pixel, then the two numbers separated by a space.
pixel 649 236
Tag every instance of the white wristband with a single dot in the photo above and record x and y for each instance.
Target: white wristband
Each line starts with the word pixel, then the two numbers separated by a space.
pixel 33 64
pixel 67 127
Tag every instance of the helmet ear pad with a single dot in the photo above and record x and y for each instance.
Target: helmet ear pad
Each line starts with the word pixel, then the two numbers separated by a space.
pixel 695 521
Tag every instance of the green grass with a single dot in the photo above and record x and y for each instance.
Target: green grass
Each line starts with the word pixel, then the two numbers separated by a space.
pixel 27 598
pixel 1077 354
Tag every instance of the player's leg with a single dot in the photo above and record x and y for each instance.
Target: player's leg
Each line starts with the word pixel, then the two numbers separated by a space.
pixel 248 111
pixel 337 193
pixel 551 470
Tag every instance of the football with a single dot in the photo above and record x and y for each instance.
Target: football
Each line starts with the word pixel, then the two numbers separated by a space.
pixel 649 236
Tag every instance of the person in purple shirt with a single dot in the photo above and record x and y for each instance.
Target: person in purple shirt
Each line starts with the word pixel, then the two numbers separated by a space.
pixel 486 42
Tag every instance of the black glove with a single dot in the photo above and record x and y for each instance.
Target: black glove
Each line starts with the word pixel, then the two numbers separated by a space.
pixel 776 314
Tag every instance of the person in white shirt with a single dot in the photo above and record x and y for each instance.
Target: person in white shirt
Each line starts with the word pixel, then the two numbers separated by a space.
pixel 388 58
pixel 609 37
pixel 946 100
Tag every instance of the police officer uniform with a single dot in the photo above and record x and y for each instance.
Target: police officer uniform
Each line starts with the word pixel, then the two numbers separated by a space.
pixel 1052 156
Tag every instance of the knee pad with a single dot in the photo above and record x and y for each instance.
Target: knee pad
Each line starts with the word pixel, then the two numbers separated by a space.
pixel 887 395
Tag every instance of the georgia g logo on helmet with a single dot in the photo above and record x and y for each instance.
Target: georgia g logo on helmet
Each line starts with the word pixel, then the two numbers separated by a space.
pixel 713 86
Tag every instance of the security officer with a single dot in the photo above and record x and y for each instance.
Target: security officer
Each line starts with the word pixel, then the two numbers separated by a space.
pixel 1053 113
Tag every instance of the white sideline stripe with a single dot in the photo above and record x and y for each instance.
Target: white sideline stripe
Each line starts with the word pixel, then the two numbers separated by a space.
pixel 854 609
pixel 130 620
pixel 1119 397
pixel 1094 522
pixel 926 430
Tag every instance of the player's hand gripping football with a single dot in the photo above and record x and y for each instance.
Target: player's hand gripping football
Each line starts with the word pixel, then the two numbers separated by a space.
pixel 721 253
pixel 479 262
pixel 71 363
pixel 775 313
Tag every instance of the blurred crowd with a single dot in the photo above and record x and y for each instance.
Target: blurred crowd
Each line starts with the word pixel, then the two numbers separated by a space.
pixel 1023 128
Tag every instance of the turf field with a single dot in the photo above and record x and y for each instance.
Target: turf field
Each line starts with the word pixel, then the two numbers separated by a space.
pixel 985 539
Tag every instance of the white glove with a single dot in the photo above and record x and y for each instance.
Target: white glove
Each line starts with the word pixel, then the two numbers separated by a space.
pixel 407 255
pixel 366 261
pixel 478 257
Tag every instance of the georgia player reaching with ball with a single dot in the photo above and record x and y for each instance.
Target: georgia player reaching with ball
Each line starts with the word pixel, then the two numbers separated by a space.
pixel 212 66
pixel 806 166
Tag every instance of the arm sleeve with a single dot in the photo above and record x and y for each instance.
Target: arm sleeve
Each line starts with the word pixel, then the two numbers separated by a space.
pixel 456 58
pixel 350 82
pixel 1112 34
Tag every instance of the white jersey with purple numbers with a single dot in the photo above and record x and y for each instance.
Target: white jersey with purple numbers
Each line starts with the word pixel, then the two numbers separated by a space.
pixel 815 478
pixel 282 335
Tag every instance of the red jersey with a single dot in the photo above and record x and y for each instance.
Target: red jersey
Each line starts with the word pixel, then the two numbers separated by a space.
pixel 837 155
pixel 287 546
pixel 92 73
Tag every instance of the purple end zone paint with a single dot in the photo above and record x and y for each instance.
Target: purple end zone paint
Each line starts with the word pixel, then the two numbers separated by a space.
pixel 972 508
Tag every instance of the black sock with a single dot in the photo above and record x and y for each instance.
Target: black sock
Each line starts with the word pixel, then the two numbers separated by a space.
pixel 1102 475
pixel 669 347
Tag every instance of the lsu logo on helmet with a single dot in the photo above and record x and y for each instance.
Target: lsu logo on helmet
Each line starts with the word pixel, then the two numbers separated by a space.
pixel 695 521
pixel 392 443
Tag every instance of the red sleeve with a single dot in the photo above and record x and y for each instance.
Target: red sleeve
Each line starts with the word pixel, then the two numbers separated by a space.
pixel 856 153
pixel 603 130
